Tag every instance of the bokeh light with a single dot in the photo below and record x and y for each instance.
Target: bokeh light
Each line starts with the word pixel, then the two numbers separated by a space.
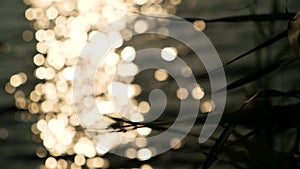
pixel 169 53
pixel 62 29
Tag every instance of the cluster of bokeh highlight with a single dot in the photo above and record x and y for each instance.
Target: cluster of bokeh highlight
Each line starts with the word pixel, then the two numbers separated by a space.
pixel 61 29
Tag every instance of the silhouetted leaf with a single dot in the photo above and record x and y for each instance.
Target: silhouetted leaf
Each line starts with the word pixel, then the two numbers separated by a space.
pixel 260 46
pixel 297 144
pixel 247 18
pixel 244 137
pixel 217 146
pixel 294 31
pixel 259 73
pixel 273 93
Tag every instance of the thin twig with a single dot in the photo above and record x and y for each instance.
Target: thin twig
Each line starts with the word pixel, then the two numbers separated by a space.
pixel 217 146
pixel 260 46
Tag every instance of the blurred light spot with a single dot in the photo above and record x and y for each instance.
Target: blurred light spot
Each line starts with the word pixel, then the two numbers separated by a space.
pixel 141 142
pixel 169 53
pixel 136 117
pixel 27 2
pixel 19 94
pixel 160 75
pixel 131 153
pixel 144 154
pixel 3 133
pixel 38 59
pixel 15 80
pixel 182 93
pixel 126 34
pixel 137 89
pixel 144 107
pixel 5 48
pixel 101 150
pixel 50 73
pixel 55 125
pixel 128 54
pixel 96 162
pixel 62 86
pixel 60 20
pixel 140 2
pixel 74 120
pixel 30 14
pixel 85 146
pixel 115 39
pixel 112 58
pixel 92 18
pixel 88 101
pixel 107 11
pixel 106 163
pixel 23 77
pixel 133 90
pixel 47 106
pixel 207 106
pixel 52 13
pixel 75 166
pixel 33 108
pixel 146 166
pixel 163 31
pixel 50 162
pixel 40 35
pixel 105 107
pixel 110 69
pixel 78 35
pixel 41 47
pixel 140 26
pixel 199 25
pixel 27 35
pixel 42 23
pixel 41 72
pixel 25 117
pixel 175 2
pixel 127 69
pixel 79 159
pixel 42 166
pixel 144 131
pixel 68 73
pixel 41 152
pixel 186 71
pixel 42 125
pixel 34 129
pixel 175 143
pixel 49 35
pixel 197 93
pixel 62 164
pixel 9 88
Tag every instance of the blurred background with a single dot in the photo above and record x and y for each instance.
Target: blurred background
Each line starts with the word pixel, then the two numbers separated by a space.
pixel 41 39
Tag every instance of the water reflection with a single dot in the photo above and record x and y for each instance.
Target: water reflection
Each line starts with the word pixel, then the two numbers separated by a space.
pixel 62 29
